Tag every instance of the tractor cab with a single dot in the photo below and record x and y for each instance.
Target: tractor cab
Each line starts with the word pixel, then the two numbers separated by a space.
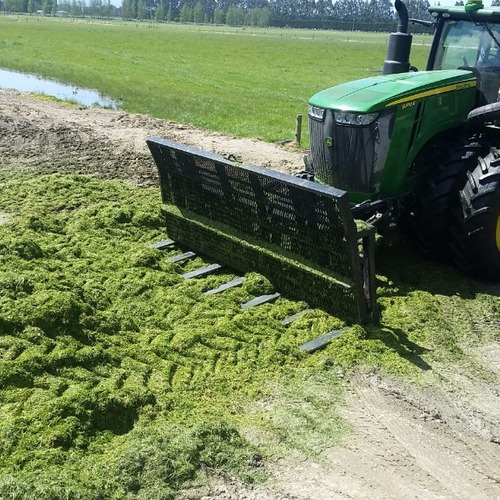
pixel 468 38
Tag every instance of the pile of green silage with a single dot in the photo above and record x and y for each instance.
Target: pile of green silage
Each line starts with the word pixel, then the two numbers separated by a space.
pixel 120 379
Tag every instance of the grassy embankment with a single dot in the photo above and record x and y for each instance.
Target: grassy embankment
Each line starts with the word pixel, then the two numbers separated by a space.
pixel 245 82
pixel 119 378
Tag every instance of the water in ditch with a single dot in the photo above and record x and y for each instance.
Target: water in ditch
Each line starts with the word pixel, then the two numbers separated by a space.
pixel 25 82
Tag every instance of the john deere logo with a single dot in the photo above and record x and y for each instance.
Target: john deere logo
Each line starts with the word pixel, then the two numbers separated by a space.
pixel 329 142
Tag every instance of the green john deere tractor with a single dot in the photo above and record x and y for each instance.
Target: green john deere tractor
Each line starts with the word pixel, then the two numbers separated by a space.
pixel 416 149
pixel 412 150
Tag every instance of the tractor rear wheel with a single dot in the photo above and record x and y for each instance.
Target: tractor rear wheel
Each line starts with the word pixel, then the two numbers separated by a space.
pixel 475 244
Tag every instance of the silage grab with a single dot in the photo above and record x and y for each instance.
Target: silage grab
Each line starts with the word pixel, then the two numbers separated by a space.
pixel 300 234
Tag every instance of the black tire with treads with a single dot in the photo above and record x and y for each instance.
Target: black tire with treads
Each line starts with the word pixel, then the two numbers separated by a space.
pixel 475 244
pixel 433 203
pixel 488 113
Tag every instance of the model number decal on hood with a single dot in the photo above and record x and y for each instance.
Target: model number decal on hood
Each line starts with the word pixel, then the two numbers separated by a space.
pixel 429 93
pixel 408 104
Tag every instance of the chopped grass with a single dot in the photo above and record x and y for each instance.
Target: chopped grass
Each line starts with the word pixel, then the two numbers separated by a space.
pixel 120 379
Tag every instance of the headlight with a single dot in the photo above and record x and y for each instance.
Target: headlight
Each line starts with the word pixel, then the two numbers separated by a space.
pixel 348 118
pixel 316 113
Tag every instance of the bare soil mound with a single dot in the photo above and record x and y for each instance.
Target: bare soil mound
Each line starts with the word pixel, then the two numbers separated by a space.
pixel 48 136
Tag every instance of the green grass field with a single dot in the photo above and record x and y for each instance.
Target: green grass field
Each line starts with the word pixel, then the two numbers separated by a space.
pixel 245 82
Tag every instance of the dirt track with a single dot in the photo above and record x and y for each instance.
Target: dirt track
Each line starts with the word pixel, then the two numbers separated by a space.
pixel 443 443
pixel 47 136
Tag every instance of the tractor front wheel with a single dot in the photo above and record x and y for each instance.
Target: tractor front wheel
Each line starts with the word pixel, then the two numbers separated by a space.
pixel 430 209
pixel 475 243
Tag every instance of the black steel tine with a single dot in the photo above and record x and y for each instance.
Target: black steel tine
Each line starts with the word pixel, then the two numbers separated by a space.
pixel 262 299
pixel 162 244
pixel 181 257
pixel 202 271
pixel 225 286
pixel 292 318
pixel 315 344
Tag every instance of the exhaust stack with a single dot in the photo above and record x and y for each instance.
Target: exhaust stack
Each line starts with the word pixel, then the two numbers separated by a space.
pixel 398 50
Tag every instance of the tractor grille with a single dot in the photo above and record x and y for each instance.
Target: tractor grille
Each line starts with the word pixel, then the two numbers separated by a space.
pixel 350 157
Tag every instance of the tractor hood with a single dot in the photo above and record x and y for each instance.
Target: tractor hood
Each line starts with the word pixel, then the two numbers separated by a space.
pixel 379 92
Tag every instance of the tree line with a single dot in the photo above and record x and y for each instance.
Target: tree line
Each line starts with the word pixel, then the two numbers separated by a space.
pixel 372 15
pixel 366 15
pixel 73 8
